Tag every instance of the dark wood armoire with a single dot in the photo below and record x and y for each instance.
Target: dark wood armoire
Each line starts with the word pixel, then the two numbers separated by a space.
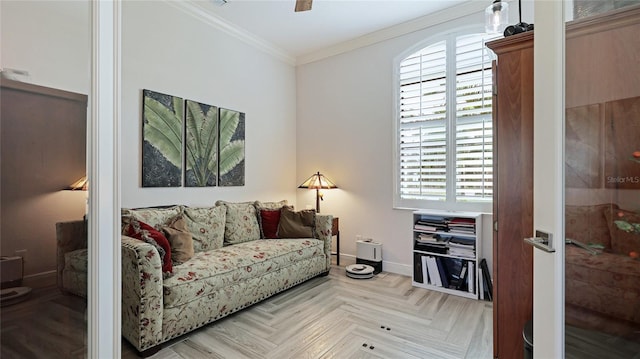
pixel 602 55
pixel 513 192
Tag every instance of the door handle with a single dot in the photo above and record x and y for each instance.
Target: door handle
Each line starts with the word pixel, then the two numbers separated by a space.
pixel 542 240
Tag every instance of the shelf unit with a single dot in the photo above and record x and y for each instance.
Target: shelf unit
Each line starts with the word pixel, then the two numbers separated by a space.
pixel 469 256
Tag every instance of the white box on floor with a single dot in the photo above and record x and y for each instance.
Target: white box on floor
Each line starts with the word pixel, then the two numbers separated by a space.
pixel 11 271
pixel 370 253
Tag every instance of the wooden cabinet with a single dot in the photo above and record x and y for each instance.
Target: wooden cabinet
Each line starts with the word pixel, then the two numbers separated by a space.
pixel 513 192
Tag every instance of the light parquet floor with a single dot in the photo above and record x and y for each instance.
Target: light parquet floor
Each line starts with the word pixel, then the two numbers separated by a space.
pixel 339 317
pixel 331 317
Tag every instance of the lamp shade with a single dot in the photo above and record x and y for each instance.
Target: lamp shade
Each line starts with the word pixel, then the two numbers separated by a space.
pixel 496 17
pixel 80 185
pixel 318 181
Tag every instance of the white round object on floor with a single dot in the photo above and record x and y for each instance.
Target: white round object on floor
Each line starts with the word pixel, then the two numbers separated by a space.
pixel 359 271
pixel 13 295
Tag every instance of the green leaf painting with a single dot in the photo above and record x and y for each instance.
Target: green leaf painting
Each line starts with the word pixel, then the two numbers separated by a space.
pixel 231 165
pixel 201 147
pixel 162 140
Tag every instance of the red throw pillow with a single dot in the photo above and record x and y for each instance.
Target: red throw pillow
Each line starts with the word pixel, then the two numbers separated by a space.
pixel 146 233
pixel 269 220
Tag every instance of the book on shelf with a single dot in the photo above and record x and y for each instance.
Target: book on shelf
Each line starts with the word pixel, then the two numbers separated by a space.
pixel 424 227
pixel 431 223
pixel 480 286
pixel 440 248
pixel 417 268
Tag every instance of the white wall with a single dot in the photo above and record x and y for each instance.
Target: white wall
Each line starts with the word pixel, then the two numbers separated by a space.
pixel 166 50
pixel 51 40
pixel 346 131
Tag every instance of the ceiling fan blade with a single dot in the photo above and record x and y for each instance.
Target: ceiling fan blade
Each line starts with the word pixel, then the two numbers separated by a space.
pixel 303 5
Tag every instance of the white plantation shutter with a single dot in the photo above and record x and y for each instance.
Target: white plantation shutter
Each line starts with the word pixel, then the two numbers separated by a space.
pixel 474 136
pixel 423 124
pixel 445 149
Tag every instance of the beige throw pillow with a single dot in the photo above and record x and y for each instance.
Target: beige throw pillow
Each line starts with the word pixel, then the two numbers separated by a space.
pixel 299 224
pixel 180 240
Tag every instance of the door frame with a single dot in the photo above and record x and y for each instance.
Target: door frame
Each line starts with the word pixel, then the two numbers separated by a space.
pixel 548 164
pixel 104 298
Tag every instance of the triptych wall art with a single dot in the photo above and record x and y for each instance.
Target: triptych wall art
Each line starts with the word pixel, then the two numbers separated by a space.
pixel 206 141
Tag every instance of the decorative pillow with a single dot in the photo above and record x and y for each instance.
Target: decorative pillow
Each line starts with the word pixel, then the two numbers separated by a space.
pixel 144 232
pixel 206 225
pixel 270 205
pixel 155 217
pixel 299 224
pixel 623 242
pixel 241 223
pixel 180 240
pixel 269 220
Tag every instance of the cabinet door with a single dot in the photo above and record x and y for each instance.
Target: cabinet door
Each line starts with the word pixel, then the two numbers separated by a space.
pixel 513 195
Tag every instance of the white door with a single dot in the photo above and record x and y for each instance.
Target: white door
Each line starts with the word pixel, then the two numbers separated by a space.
pixel 548 272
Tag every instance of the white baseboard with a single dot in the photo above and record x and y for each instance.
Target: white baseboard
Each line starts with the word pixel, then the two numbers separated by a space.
pixel 387 266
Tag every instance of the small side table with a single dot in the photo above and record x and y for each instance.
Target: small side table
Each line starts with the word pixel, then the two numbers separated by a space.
pixel 335 231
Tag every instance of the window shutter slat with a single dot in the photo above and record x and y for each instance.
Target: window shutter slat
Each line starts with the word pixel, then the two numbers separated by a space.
pixel 423 117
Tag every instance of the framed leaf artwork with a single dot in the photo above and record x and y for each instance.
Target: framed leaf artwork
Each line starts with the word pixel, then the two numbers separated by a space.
pixel 201 145
pixel 162 140
pixel 232 162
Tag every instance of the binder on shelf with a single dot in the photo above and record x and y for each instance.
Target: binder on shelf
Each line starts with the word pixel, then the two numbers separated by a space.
pixel 434 274
pixel 486 275
pixel 425 271
pixel 453 267
pixel 471 283
pixel 444 276
pixel 417 268
pixel 464 277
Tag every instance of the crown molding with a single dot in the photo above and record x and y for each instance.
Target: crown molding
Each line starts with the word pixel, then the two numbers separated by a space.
pixel 464 9
pixel 195 10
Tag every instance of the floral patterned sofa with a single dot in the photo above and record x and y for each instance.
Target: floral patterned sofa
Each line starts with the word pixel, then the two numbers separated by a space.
pixel 602 279
pixel 230 265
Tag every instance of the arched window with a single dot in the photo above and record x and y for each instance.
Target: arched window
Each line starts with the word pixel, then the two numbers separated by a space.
pixel 444 126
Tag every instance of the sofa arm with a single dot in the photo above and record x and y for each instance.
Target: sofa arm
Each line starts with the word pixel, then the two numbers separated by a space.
pixel 142 304
pixel 70 236
pixel 324 223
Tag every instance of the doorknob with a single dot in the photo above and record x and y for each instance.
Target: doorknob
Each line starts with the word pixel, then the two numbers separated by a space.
pixel 542 240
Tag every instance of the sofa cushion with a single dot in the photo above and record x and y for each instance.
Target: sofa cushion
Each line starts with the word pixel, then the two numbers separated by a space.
pixel 270 205
pixel 300 224
pixel 623 242
pixel 208 272
pixel 206 225
pixel 180 239
pixel 588 224
pixel 241 222
pixel 606 283
pixel 268 220
pixel 144 232
pixel 76 260
pixel 155 217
